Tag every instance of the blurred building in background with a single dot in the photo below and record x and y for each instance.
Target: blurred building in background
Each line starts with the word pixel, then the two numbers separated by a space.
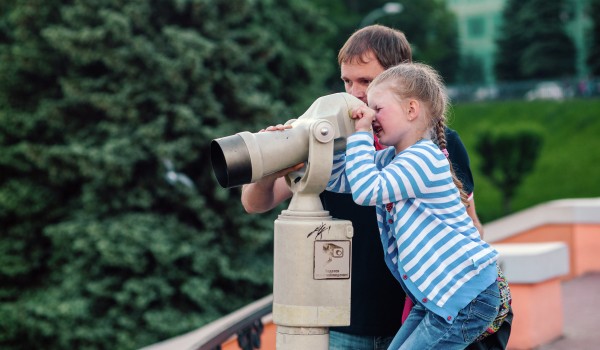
pixel 479 22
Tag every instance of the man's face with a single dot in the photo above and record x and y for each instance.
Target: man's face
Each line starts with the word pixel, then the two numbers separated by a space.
pixel 358 75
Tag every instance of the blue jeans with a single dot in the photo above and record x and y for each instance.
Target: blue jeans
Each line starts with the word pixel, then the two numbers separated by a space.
pixel 343 341
pixel 425 330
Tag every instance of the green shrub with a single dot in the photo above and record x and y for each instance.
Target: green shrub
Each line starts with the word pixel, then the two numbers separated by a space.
pixel 567 164
pixel 507 156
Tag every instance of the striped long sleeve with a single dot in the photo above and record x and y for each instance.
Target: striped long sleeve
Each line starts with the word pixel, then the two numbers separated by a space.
pixel 431 245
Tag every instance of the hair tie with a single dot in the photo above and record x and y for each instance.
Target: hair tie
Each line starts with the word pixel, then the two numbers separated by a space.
pixel 445 151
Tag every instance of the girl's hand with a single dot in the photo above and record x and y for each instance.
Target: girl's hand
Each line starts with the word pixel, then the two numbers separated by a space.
pixel 364 117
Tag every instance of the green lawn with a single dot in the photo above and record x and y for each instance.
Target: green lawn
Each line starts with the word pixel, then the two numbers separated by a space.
pixel 569 164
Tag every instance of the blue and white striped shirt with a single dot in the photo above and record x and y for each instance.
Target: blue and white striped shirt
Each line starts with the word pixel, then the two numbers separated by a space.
pixel 430 243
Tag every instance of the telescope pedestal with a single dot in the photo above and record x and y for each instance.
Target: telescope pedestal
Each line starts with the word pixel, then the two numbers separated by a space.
pixel 311 286
pixel 302 338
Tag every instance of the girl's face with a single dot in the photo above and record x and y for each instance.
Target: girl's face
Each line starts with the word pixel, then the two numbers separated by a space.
pixel 394 118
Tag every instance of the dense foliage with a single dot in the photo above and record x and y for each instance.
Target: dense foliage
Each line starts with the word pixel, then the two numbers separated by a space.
pixel 432 31
pixel 533 43
pixel 429 26
pixel 114 233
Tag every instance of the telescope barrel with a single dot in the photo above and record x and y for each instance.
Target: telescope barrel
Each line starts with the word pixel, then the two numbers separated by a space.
pixel 247 157
pixel 231 161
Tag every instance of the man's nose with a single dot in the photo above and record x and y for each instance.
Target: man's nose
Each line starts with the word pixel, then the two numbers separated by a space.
pixel 358 93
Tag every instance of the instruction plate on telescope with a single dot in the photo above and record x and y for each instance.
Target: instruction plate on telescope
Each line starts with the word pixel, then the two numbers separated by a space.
pixel 332 260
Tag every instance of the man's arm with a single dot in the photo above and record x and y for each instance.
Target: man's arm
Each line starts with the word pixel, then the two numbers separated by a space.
pixel 462 167
pixel 268 192
pixel 473 214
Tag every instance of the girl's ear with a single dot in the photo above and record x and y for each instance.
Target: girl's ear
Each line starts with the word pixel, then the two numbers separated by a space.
pixel 413 109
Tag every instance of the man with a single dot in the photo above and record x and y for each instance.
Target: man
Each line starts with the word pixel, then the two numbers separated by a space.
pixel 377 298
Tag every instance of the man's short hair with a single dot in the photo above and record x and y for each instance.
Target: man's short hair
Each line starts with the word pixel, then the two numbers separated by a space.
pixel 389 46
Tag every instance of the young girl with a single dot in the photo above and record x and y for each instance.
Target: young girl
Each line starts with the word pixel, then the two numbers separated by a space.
pixel 430 243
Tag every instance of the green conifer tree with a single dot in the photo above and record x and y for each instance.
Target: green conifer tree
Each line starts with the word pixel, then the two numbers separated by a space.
pixel 114 232
pixel 510 42
pixel 549 52
pixel 594 53
pixel 533 43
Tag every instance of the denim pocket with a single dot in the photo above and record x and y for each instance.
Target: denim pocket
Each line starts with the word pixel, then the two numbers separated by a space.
pixel 481 312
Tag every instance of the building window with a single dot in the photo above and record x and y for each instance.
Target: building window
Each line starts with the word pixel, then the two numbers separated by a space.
pixel 476 27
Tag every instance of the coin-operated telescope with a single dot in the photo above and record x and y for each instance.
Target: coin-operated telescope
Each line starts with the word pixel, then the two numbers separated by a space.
pixel 312 251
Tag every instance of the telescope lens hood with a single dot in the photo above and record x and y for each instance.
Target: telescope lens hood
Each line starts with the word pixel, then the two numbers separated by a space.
pixel 231 161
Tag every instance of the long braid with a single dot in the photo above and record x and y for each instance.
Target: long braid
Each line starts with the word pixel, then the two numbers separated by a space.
pixel 440 138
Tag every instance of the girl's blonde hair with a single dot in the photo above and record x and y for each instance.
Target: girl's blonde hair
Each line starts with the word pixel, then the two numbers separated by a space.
pixel 423 83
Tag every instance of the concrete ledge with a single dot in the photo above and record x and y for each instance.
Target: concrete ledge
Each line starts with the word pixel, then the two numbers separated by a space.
pixel 533 271
pixel 538 314
pixel 533 262
pixel 564 211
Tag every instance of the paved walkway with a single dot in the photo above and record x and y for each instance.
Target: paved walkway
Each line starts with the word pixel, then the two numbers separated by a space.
pixel 581 302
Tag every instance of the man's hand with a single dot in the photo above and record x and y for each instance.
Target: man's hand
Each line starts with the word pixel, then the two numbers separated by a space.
pixel 277 127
